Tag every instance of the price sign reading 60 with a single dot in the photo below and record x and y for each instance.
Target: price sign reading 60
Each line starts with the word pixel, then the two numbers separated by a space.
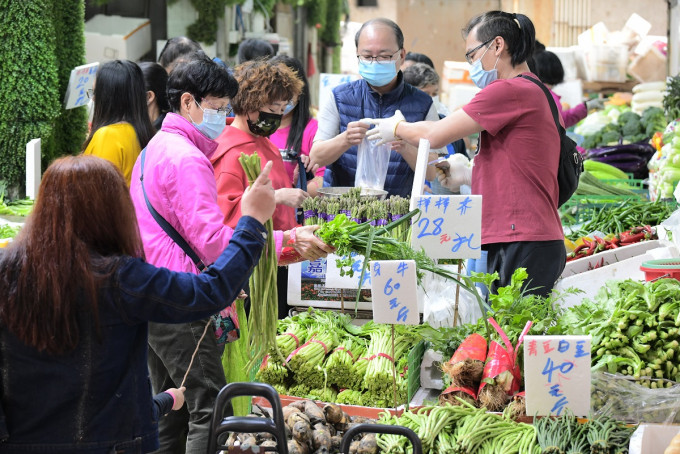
pixel 393 290
pixel 449 227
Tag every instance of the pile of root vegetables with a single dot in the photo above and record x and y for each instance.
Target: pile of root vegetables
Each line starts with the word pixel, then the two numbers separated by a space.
pixel 311 430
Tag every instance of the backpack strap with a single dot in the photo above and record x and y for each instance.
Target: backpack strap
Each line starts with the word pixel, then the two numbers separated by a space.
pixel 165 225
pixel 551 101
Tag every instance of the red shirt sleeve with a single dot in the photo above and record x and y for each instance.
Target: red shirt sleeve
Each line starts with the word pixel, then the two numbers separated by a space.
pixel 494 107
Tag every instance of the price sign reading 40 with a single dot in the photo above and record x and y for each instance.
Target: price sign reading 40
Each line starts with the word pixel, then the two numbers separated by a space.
pixel 393 290
pixel 449 226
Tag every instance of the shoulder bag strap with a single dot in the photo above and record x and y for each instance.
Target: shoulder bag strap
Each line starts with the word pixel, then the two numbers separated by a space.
pixel 165 225
pixel 551 101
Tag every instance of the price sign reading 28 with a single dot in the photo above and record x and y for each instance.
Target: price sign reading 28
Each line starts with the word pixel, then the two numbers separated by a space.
pixel 449 226
pixel 393 290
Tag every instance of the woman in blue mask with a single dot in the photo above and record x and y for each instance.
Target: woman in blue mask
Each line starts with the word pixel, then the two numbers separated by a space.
pixel 515 169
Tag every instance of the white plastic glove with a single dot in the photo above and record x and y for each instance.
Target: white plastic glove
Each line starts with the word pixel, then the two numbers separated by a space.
pixel 595 104
pixel 454 172
pixel 384 128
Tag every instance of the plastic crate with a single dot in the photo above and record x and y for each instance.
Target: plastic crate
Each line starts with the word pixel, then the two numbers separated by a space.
pixel 657 269
pixel 580 208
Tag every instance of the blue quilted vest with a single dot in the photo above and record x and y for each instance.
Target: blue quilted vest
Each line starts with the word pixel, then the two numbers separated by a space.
pixel 356 100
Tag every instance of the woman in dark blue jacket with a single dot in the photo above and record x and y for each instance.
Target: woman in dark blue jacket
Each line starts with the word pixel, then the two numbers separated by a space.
pixel 75 299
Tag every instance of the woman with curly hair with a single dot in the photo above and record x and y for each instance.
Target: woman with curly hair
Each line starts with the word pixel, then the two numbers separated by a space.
pixel 265 88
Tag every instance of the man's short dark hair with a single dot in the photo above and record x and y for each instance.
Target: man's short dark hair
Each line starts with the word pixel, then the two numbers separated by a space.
pixel 383 21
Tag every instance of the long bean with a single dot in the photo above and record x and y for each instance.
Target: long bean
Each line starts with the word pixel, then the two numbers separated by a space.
pixel 263 293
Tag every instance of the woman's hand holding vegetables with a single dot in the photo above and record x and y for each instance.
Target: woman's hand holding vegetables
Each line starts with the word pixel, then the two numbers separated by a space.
pixel 385 128
pixel 291 197
pixel 308 245
pixel 454 173
pixel 259 200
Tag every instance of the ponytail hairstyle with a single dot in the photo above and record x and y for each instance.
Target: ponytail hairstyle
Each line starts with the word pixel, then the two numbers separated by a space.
pixel 516 29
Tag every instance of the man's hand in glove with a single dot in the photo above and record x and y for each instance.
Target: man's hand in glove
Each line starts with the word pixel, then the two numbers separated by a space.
pixel 454 173
pixel 595 104
pixel 385 128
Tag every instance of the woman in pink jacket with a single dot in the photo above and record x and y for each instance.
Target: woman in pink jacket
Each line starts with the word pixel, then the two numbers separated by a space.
pixel 180 185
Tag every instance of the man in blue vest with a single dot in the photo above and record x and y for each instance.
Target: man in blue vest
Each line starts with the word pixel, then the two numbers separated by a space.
pixel 380 92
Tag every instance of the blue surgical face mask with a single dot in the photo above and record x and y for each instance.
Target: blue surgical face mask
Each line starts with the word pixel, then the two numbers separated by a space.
pixel 289 108
pixel 479 75
pixel 378 74
pixel 213 122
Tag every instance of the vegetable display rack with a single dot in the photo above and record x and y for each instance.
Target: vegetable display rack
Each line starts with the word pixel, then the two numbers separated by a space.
pixel 663 268
pixel 580 208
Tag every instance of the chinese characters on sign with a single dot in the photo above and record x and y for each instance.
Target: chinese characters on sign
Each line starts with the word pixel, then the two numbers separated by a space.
pixel 557 374
pixel 449 226
pixel 393 288
pixel 81 80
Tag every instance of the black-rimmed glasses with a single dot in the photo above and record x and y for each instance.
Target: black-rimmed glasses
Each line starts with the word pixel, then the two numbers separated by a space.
pixel 470 53
pixel 379 58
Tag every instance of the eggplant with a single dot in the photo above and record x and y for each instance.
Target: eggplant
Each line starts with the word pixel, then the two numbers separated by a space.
pixel 639 148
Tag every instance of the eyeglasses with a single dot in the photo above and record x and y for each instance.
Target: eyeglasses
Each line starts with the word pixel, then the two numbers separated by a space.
pixel 379 58
pixel 90 93
pixel 222 111
pixel 470 53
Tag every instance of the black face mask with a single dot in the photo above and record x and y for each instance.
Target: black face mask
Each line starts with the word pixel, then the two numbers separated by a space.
pixel 265 125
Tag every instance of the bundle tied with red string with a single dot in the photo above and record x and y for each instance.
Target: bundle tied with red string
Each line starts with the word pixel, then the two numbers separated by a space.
pixel 339 363
pixel 306 360
pixel 464 370
pixel 501 377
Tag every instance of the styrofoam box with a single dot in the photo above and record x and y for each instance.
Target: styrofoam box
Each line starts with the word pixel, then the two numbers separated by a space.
pixel 652 438
pixel 608 257
pixel 591 281
pixel 606 63
pixel 116 37
pixel 568 59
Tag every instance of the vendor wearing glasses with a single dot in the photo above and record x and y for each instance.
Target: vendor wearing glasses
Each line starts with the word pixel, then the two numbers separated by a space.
pixel 515 169
pixel 380 92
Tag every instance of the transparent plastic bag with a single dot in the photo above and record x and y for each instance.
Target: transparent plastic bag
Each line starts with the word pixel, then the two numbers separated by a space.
pixel 372 163
pixel 439 304
pixel 619 397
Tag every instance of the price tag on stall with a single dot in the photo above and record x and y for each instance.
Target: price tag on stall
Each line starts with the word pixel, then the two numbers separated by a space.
pixel 557 374
pixel 449 226
pixel 81 79
pixel 335 280
pixel 393 290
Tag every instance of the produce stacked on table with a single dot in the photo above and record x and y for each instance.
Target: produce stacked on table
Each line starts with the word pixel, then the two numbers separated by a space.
pixel 22 207
pixel 460 429
pixel 309 429
pixel 589 247
pixel 646 95
pixel 8 231
pixel 635 329
pixel 664 167
pixel 324 357
pixel 619 126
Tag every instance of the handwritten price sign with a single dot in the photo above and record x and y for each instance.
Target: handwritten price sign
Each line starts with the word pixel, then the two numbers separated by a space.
pixel 449 226
pixel 81 79
pixel 335 280
pixel 393 288
pixel 557 374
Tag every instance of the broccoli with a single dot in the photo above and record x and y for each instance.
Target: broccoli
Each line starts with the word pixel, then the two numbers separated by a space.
pixel 625 117
pixel 590 142
pixel 632 127
pixel 651 114
pixel 610 137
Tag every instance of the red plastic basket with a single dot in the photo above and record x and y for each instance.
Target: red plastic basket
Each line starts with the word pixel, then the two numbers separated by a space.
pixel 663 268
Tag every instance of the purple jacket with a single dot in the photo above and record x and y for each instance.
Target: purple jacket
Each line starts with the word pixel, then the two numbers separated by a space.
pixel 180 184
pixel 570 116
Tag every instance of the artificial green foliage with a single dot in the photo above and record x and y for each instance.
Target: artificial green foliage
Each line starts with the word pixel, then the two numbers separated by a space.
pixel 70 128
pixel 204 30
pixel 29 82
pixel 330 32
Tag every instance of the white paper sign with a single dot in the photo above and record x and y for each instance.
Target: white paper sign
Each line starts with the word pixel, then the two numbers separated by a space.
pixel 420 171
pixel 334 280
pixel 449 226
pixel 393 290
pixel 81 79
pixel 328 82
pixel 557 374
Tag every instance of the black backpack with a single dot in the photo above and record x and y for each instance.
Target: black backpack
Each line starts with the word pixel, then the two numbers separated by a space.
pixel 571 161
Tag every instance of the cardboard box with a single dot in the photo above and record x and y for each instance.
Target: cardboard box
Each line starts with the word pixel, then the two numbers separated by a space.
pixel 652 438
pixel 116 38
pixel 649 67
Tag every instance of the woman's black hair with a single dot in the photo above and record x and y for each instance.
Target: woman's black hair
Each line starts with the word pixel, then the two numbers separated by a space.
pixel 398 34
pixel 175 48
pixel 201 77
pixel 548 67
pixel 419 58
pixel 254 48
pixel 156 80
pixel 300 114
pixel 516 29
pixel 120 95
